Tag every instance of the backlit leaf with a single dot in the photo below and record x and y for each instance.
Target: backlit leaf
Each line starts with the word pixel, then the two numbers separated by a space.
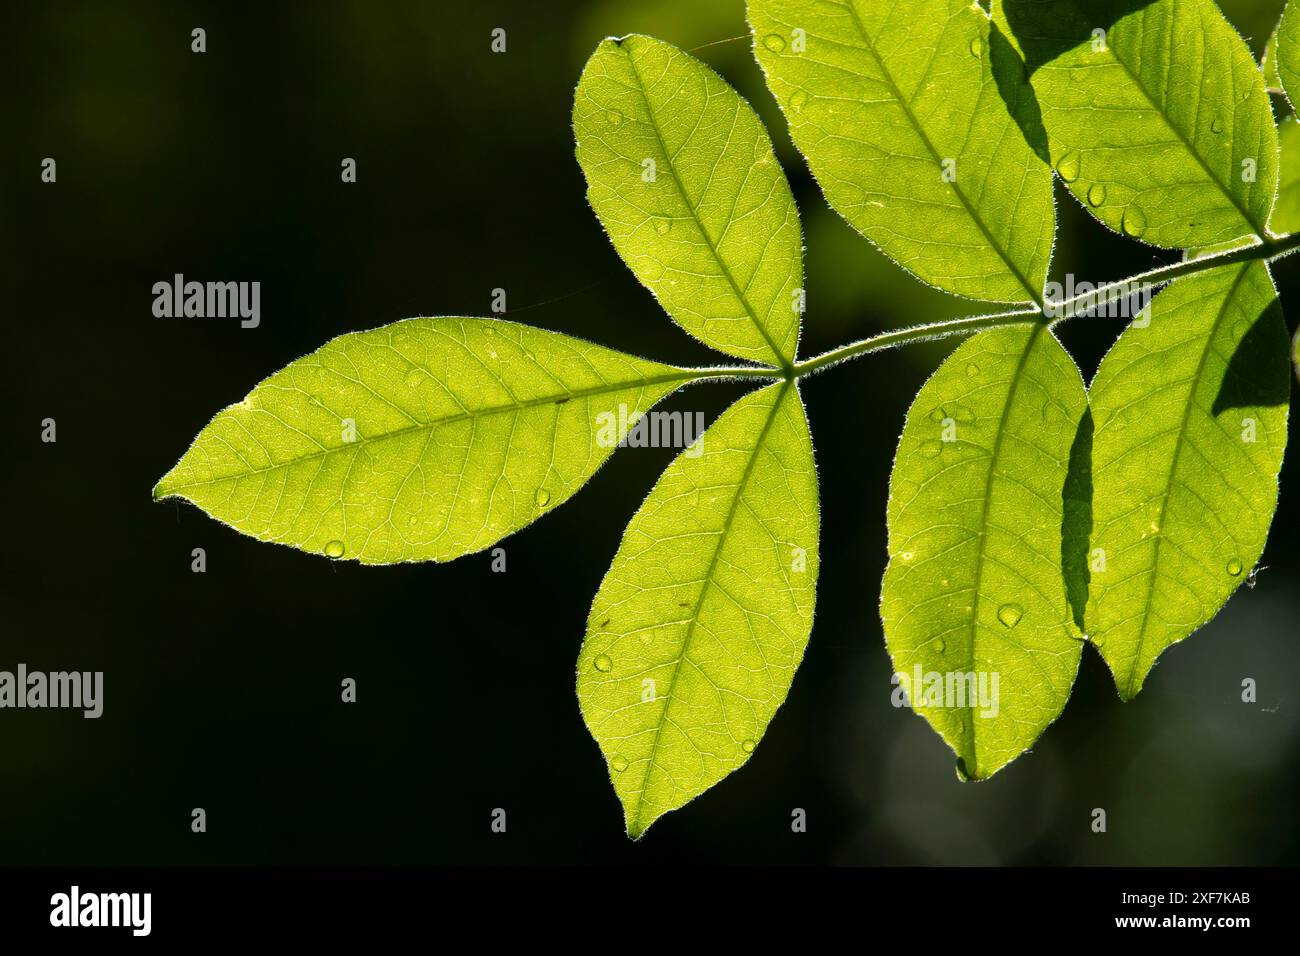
pixel 423 440
pixel 1286 212
pixel 974 600
pixel 920 128
pixel 1191 419
pixel 1287 51
pixel 698 627
pixel 1156 115
pixel 682 175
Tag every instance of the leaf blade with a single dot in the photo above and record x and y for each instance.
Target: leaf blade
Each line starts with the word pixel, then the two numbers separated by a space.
pixel 1285 48
pixel 1171 456
pixel 734 514
pixel 715 235
pixel 462 431
pixel 877 117
pixel 974 584
pixel 1156 113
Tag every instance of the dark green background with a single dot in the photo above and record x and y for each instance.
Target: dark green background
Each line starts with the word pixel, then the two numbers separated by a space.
pixel 222 689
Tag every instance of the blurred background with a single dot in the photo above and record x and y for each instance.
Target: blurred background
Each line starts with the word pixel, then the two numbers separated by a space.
pixel 222 688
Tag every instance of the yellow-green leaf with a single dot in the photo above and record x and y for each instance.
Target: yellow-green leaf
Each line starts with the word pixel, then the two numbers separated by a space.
pixel 423 440
pixel 1191 421
pixel 974 600
pixel 919 125
pixel 1156 115
pixel 682 175
pixel 1286 212
pixel 1287 51
pixel 698 627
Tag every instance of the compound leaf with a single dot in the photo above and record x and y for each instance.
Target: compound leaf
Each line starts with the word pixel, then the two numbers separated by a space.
pixel 423 440
pixel 701 621
pixel 919 125
pixel 681 173
pixel 1286 51
pixel 974 600
pixel 1191 421
pixel 1156 115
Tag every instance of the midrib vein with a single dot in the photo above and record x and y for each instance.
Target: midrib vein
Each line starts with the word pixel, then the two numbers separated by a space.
pixel 704 590
pixel 1035 296
pixel 741 297
pixel 1173 471
pixel 1016 378
pixel 681 376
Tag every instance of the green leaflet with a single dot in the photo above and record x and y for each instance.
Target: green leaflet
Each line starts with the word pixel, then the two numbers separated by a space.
pixel 1287 52
pixel 1156 113
pixel 884 99
pixel 1191 417
pixel 698 627
pixel 1268 65
pixel 1286 212
pixel 682 175
pixel 974 584
pixel 423 440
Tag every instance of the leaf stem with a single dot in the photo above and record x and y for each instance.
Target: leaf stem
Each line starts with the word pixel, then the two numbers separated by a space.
pixel 1053 312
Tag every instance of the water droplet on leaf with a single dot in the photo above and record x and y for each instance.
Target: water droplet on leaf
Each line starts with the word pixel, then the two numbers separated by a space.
pixel 664 226
pixel 774 42
pixel 619 763
pixel 931 449
pixel 798 100
pixel 334 549
pixel 1234 567
pixel 603 663
pixel 1068 167
pixel 1134 222
pixel 543 497
pixel 976 47
pixel 1217 126
pixel 1010 614
pixel 1096 194
pixel 614 118
pixel 414 377
pixel 747 746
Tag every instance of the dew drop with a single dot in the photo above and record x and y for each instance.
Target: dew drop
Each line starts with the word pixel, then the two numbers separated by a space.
pixel 962 773
pixel 334 549
pixel 976 47
pixel 972 369
pixel 798 100
pixel 940 645
pixel 906 555
pixel 774 42
pixel 1010 614
pixel 1068 167
pixel 747 746
pixel 938 415
pixel 614 118
pixel 1134 222
pixel 932 448
pixel 1096 194
pixel 414 377
pixel 619 763
pixel 1216 127
pixel 543 497
pixel 603 663
pixel 664 226
pixel 1234 567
